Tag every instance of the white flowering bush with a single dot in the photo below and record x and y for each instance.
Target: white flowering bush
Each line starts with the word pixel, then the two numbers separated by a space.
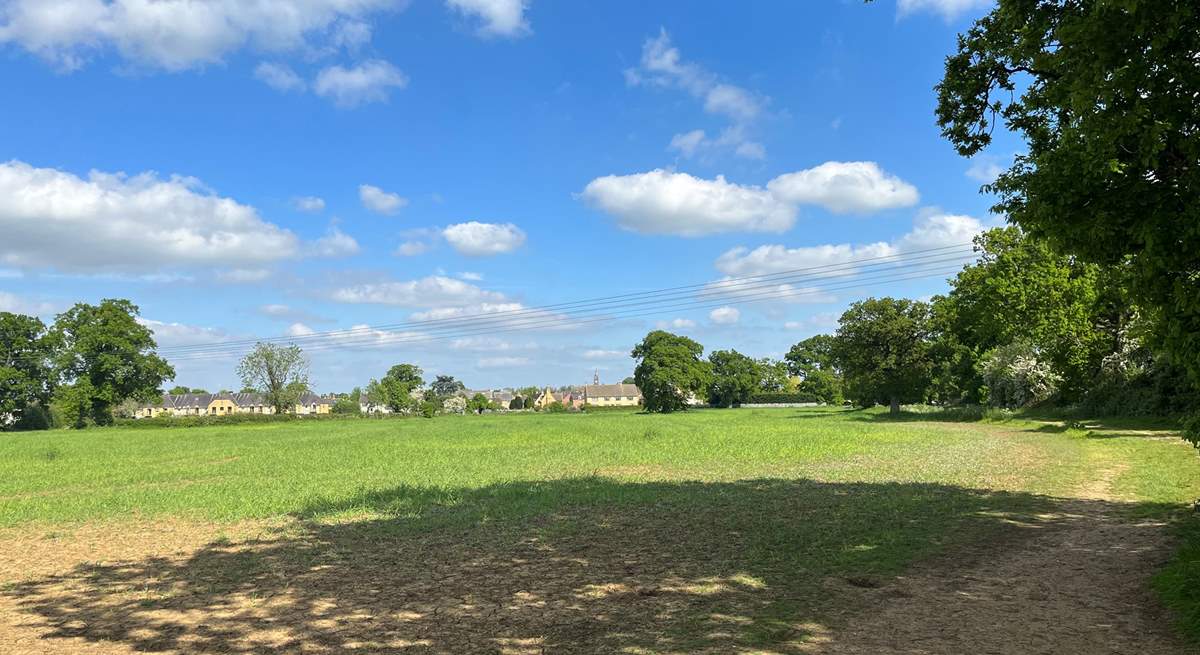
pixel 1016 376
pixel 455 405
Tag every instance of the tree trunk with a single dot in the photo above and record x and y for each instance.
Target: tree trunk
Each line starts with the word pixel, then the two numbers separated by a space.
pixel 895 407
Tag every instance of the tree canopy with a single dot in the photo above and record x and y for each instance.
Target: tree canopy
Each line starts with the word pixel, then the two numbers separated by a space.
pixel 104 357
pixel 395 389
pixel 26 369
pixel 882 349
pixel 734 377
pixel 1104 96
pixel 281 372
pixel 446 385
pixel 669 371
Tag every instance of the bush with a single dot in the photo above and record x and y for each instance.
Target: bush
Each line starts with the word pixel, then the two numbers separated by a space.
pixel 346 406
pixel 1016 377
pixel 556 407
pixel 779 398
pixel 517 403
pixel 428 409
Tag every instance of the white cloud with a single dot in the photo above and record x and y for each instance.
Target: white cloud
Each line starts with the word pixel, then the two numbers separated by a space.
pixel 663 202
pixel 173 35
pixel 604 354
pixel 930 230
pixel 168 335
pixel 676 324
pixel 502 362
pixel 310 204
pixel 845 187
pixel 482 239
pixel 663 66
pixel 485 344
pixel 412 248
pixel 497 17
pixel 243 275
pixel 725 315
pixel 110 222
pixel 365 83
pixel 287 313
pixel 280 77
pixel 985 168
pixel 380 201
pixel 949 9
pixel 299 330
pixel 743 291
pixel 432 291
pixel 11 302
pixel 688 143
pixel 335 243
pixel 468 275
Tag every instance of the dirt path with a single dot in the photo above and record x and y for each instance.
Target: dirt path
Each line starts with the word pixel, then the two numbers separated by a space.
pixel 1078 587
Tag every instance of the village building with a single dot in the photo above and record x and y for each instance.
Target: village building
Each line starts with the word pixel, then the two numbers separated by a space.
pixel 611 395
pixel 223 404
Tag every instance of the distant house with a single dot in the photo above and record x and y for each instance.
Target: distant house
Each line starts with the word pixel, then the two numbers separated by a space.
pixel 612 395
pixel 545 399
pixel 222 404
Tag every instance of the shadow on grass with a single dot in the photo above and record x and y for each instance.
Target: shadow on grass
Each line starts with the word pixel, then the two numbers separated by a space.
pixel 588 565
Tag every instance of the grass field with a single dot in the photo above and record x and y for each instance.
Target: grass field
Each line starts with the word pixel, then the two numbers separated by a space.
pixel 714 530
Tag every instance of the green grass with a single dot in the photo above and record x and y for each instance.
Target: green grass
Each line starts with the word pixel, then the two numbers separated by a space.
pixel 740 500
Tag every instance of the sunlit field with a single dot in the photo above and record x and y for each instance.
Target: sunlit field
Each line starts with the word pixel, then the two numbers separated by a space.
pixel 713 530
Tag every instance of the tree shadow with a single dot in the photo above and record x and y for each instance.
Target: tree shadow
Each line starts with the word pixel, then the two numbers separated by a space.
pixel 587 565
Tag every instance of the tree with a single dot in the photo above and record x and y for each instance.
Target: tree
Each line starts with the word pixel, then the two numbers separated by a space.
pixel 178 390
pixel 773 376
pixel 280 371
pixel 26 371
pixel 1103 94
pixel 811 360
pixel 395 389
pixel 445 385
pixel 882 350
pixel 629 380
pixel 734 378
pixel 517 403
pixel 346 406
pixel 1021 290
pixel 105 356
pixel 478 403
pixel 669 371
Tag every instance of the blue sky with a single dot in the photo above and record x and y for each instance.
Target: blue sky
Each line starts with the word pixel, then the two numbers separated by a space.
pixel 290 167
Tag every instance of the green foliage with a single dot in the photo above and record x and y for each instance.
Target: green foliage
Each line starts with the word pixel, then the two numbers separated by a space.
pixel 478 403
pixel 516 403
pixel 429 409
pixel 812 362
pixel 1179 583
pixel 629 380
pixel 882 349
pixel 822 386
pixel 773 375
pixel 346 406
pixel 105 356
pixel 780 398
pixel 1109 170
pixel 445 386
pixel 395 389
pixel 556 407
pixel 26 372
pixel 281 372
pixel 669 371
pixel 733 379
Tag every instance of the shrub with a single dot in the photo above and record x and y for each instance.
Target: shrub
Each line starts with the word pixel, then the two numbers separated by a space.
pixel 517 403
pixel 455 405
pixel 346 406
pixel 429 409
pixel 556 407
pixel 780 398
pixel 1016 377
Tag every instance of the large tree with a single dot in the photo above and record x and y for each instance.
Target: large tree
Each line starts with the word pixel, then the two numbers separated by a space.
pixel 811 360
pixel 26 371
pixel 395 389
pixel 281 372
pixel 734 378
pixel 1104 95
pixel 105 356
pixel 445 386
pixel 882 349
pixel 669 371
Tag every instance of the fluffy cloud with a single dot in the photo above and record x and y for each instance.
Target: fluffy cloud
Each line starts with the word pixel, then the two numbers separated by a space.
pixel 845 187
pixel 432 291
pixel 676 324
pixel 243 275
pixel 113 222
pixel 949 9
pixel 310 204
pixel 931 230
pixel 663 66
pixel 11 302
pixel 985 168
pixel 497 17
pixel 365 83
pixel 173 35
pixel 412 248
pixel 481 239
pixel 690 144
pixel 279 77
pixel 734 290
pixel 470 276
pixel 335 243
pixel 663 202
pixel 724 315
pixel 177 334
pixel 379 201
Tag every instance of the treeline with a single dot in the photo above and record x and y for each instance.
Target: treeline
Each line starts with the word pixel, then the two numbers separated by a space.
pixel 1022 327
pixel 77 371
